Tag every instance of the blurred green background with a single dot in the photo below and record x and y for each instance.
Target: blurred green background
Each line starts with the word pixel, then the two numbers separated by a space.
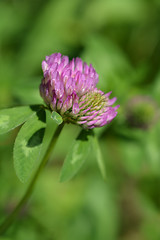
pixel 121 38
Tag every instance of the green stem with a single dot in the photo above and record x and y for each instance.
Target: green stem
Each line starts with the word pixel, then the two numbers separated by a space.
pixel 6 224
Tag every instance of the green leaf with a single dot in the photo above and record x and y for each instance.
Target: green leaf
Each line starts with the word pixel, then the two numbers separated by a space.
pixel 28 145
pixel 56 117
pixel 12 117
pixel 76 155
pixel 99 157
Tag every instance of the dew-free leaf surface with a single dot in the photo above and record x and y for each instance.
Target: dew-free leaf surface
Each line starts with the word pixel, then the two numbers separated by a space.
pixel 28 145
pixel 12 117
pixel 77 155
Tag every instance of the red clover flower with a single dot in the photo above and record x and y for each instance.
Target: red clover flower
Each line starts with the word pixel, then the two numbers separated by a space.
pixel 69 88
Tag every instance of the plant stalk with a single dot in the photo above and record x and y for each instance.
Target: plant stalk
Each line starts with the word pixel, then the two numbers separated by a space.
pixel 9 220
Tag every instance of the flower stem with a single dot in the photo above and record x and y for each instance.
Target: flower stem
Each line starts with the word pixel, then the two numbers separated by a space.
pixel 9 220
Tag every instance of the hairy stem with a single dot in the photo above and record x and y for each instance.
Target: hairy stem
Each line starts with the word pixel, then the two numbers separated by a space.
pixel 6 224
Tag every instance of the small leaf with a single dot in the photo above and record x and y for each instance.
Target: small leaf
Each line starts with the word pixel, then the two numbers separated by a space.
pixel 56 117
pixel 28 145
pixel 76 155
pixel 12 117
pixel 99 157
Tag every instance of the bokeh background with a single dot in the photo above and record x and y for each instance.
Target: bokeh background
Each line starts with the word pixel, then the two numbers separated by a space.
pixel 121 38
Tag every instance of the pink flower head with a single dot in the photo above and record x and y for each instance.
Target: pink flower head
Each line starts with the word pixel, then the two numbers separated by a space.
pixel 69 88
